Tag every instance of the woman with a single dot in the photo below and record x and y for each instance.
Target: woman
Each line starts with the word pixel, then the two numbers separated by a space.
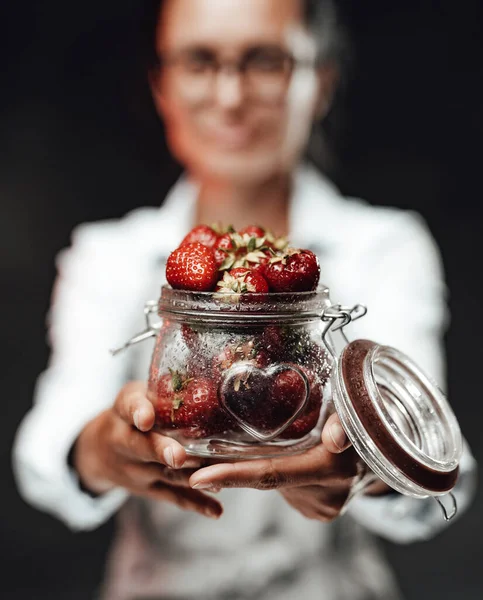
pixel 239 84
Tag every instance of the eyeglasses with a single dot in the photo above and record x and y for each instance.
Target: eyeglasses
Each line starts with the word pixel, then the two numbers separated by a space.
pixel 265 72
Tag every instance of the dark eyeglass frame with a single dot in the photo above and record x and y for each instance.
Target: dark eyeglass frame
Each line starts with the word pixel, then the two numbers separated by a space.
pixel 234 65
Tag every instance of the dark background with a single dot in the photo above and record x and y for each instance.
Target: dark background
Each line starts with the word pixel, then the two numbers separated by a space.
pixel 79 141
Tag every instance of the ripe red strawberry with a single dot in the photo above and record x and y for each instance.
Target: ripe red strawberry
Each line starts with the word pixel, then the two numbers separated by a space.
pixel 243 352
pixel 191 337
pixel 256 261
pixel 286 394
pixel 277 243
pixel 196 405
pixel 253 231
pixel 166 387
pixel 295 271
pixel 164 402
pixel 203 234
pixel 192 267
pixel 308 419
pixel 234 250
pixel 223 247
pixel 298 346
pixel 239 284
pixel 302 426
pixel 272 341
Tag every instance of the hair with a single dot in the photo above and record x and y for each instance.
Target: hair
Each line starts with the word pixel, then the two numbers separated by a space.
pixel 321 19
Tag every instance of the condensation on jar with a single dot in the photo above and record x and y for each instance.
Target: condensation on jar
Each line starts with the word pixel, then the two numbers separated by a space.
pixel 241 378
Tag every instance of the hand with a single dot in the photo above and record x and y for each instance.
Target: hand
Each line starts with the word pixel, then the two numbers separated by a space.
pixel 317 483
pixel 119 449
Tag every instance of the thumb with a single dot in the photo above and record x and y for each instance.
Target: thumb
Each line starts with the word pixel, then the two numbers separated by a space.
pixel 334 438
pixel 133 406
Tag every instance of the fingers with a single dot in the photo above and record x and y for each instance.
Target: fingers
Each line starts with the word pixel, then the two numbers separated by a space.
pixel 316 502
pixel 318 466
pixel 334 438
pixel 258 474
pixel 133 406
pixel 149 447
pixel 148 474
pixel 184 498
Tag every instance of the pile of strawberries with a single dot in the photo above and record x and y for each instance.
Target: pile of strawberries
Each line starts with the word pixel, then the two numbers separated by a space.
pixel 264 396
pixel 188 399
pixel 249 261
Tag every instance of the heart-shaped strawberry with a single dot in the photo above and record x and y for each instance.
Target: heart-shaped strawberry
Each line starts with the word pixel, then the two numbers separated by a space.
pixel 264 402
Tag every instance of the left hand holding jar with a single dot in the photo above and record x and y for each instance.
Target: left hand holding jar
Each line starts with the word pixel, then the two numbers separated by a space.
pixel 317 483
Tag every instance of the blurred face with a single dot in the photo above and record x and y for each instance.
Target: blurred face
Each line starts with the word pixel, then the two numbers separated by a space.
pixel 237 87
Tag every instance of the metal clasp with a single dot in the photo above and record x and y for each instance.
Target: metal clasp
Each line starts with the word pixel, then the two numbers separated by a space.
pixel 152 329
pixel 343 315
pixel 454 506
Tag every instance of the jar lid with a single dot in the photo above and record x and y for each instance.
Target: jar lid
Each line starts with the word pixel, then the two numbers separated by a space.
pixel 397 419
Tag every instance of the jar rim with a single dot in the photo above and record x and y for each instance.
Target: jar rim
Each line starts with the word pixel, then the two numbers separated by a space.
pixel 211 307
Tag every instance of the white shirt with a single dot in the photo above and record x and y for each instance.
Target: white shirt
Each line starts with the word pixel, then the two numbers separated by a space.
pixel 261 547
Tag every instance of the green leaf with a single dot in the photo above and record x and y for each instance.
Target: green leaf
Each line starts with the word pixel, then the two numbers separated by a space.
pixel 228 263
pixel 178 380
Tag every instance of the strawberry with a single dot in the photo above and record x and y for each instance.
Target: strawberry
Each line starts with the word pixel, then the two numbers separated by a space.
pixel 273 342
pixel 277 243
pixel 305 422
pixel 223 247
pixel 234 250
pixel 203 234
pixel 221 229
pixel 191 336
pixel 257 261
pixel 253 231
pixel 246 396
pixel 189 405
pixel 286 393
pixel 239 284
pixel 242 352
pixel 197 406
pixel 164 401
pixel 192 267
pixel 299 346
pixel 284 397
pixel 167 386
pixel 195 339
pixel 302 426
pixel 294 271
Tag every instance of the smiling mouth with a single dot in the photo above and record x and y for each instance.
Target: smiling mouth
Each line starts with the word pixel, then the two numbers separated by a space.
pixel 231 137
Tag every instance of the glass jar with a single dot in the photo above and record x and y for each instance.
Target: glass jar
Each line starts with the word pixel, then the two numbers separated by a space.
pixel 241 379
pixel 247 377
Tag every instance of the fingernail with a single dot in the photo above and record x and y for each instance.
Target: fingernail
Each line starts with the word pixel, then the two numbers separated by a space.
pixel 202 485
pixel 139 417
pixel 338 436
pixel 212 513
pixel 169 457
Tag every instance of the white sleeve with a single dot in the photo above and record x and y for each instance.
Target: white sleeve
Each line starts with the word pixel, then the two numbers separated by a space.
pixel 406 298
pixel 88 317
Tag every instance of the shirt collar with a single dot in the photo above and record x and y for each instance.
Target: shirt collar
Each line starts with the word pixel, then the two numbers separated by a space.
pixel 314 211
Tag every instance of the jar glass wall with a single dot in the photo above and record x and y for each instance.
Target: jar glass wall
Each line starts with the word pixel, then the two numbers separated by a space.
pixel 241 379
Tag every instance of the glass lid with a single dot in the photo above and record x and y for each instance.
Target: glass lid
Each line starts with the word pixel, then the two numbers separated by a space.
pixel 397 419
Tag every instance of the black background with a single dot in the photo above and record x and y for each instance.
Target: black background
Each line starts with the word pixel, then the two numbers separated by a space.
pixel 80 141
